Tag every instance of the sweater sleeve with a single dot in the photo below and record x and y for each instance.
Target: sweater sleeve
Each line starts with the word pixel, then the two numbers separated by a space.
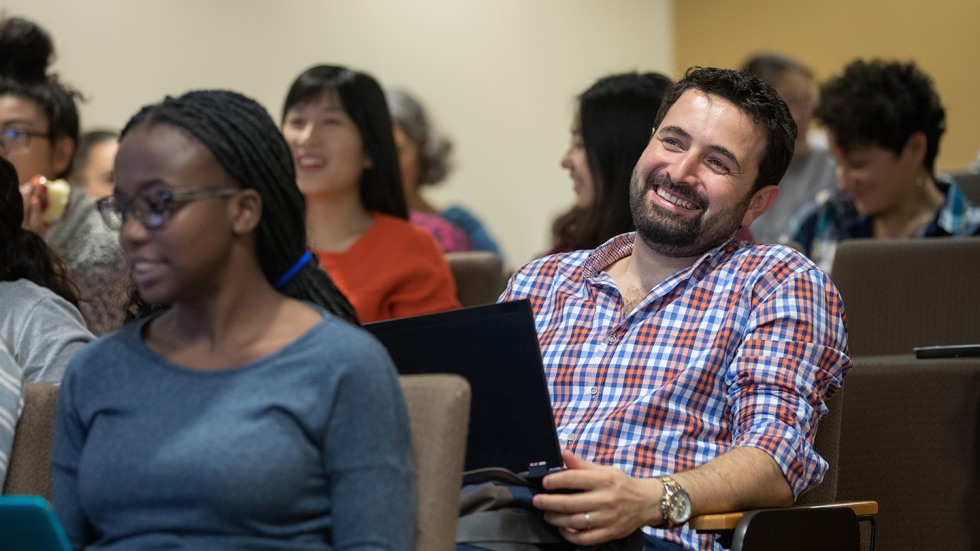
pixel 69 438
pixel 371 473
pixel 52 332
pixel 11 405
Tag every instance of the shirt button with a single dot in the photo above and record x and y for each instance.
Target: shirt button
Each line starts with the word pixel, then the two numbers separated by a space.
pixel 594 390
pixel 570 438
pixel 611 338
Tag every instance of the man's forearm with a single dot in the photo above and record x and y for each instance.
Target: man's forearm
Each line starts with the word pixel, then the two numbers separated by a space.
pixel 742 478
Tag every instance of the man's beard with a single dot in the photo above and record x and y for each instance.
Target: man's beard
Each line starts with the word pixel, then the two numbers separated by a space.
pixel 671 234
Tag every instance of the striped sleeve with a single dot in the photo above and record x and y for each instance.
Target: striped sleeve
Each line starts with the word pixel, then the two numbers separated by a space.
pixel 11 404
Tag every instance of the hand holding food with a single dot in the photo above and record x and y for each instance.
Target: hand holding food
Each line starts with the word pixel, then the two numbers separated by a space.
pixel 45 202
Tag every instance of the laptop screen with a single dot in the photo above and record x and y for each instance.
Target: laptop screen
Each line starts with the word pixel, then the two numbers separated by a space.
pixel 495 347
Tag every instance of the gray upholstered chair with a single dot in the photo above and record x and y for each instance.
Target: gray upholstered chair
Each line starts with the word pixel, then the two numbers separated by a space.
pixel 910 440
pixel 439 407
pixel 29 472
pixel 902 293
pixel 479 275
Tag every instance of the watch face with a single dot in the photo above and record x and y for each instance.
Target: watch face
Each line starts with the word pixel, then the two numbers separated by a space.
pixel 679 508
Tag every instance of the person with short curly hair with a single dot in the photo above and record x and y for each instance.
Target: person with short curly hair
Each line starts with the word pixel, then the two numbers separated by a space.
pixel 884 121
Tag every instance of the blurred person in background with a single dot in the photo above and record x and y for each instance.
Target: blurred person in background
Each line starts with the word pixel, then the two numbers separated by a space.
pixel 39 318
pixel 884 122
pixel 92 169
pixel 337 125
pixel 610 129
pixel 810 176
pixel 424 158
pixel 38 132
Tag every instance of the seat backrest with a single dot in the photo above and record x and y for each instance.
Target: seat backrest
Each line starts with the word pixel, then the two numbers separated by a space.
pixel 479 276
pixel 903 293
pixel 827 444
pixel 910 440
pixel 969 184
pixel 29 472
pixel 439 407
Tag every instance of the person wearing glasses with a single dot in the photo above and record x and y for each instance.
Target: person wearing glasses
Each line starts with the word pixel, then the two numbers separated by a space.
pixel 810 177
pixel 39 127
pixel 39 318
pixel 337 125
pixel 243 408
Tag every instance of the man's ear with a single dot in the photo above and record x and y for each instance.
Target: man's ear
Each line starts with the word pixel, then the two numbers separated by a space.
pixel 760 202
pixel 62 149
pixel 246 211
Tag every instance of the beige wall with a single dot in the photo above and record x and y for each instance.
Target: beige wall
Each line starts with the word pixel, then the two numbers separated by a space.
pixel 499 76
pixel 942 37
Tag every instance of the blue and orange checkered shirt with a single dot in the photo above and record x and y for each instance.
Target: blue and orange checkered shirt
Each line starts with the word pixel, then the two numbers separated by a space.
pixel 740 349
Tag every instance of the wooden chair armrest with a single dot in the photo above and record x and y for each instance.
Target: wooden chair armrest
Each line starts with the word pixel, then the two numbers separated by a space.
pixel 719 522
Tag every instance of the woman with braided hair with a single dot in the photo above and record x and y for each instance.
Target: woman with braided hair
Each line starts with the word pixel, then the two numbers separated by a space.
pixel 337 125
pixel 39 321
pixel 242 409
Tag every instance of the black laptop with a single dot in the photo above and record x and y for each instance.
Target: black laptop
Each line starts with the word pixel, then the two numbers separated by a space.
pixel 495 347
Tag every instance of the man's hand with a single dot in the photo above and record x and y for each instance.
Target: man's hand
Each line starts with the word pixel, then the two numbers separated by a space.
pixel 609 506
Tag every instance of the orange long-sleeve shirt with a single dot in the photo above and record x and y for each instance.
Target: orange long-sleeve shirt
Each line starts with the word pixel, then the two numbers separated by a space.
pixel 394 270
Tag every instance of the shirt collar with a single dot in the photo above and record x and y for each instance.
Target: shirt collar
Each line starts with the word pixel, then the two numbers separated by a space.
pixel 621 246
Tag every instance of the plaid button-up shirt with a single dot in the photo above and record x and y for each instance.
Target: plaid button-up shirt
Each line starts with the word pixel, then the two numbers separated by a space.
pixel 740 349
pixel 820 226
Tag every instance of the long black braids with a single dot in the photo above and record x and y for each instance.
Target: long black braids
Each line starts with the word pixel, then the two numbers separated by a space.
pixel 249 146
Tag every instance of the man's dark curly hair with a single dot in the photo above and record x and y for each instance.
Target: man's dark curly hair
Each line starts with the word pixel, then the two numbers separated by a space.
pixel 882 103
pixel 754 98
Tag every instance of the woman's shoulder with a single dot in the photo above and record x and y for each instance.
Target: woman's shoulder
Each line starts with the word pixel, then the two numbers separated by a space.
pixel 398 234
pixel 450 237
pixel 350 349
pixel 23 296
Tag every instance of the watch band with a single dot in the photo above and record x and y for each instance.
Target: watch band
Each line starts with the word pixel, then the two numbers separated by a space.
pixel 672 492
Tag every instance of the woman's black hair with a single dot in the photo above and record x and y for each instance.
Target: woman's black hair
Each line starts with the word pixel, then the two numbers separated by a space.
pixel 617 115
pixel 245 140
pixel 25 52
pixel 364 102
pixel 23 253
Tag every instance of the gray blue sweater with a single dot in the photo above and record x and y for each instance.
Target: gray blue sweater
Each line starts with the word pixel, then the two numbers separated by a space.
pixel 306 449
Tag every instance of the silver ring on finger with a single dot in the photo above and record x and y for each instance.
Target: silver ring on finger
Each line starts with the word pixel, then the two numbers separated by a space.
pixel 588 521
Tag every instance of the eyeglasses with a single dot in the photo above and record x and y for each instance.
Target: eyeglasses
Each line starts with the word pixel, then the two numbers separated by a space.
pixel 15 138
pixel 153 208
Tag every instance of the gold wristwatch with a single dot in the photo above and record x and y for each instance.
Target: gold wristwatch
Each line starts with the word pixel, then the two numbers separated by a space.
pixel 676 504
